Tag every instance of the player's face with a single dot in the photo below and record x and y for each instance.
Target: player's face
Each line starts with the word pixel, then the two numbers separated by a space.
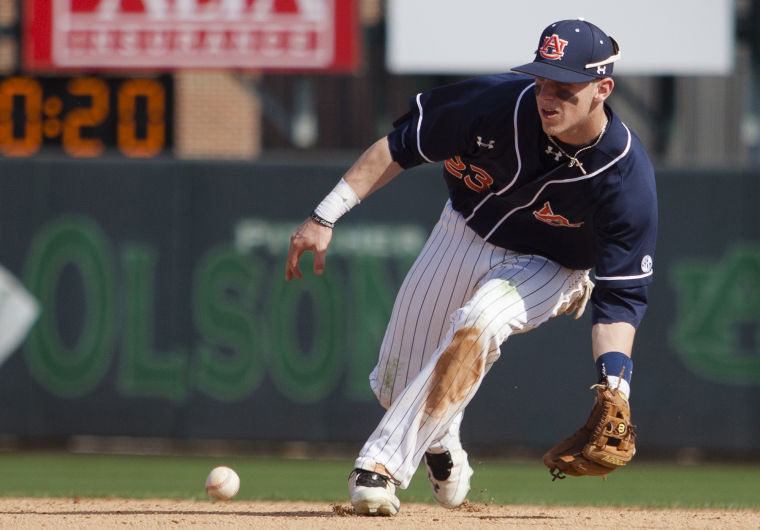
pixel 570 112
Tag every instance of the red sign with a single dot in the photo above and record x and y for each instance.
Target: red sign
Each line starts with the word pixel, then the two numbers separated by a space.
pixel 168 34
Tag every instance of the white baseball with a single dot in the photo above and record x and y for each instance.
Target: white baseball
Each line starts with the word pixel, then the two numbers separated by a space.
pixel 222 483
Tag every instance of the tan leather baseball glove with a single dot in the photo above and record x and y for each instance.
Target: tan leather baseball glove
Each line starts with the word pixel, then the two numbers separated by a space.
pixel 605 443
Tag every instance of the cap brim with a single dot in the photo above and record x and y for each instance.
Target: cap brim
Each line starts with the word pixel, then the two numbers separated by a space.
pixel 553 72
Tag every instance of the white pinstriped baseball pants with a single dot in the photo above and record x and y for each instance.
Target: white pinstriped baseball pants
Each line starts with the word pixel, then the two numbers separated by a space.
pixel 462 298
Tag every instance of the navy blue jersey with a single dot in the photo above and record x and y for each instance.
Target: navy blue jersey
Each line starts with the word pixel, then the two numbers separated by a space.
pixel 518 191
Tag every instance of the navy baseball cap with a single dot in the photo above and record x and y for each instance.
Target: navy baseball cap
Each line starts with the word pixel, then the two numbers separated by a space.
pixel 573 51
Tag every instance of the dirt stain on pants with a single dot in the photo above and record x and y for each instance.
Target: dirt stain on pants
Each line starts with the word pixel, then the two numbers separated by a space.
pixel 458 369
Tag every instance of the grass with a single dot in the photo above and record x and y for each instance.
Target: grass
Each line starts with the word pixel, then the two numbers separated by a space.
pixel 35 474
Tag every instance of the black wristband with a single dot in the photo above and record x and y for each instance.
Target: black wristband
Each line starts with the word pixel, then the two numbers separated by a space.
pixel 321 220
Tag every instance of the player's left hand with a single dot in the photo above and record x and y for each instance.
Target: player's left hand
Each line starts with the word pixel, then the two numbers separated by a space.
pixel 312 236
pixel 606 442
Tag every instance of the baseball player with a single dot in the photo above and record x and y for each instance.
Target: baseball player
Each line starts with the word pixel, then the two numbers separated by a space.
pixel 545 183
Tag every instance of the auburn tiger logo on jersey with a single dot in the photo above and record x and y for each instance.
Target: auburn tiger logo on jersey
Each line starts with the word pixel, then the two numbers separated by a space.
pixel 547 215
pixel 553 47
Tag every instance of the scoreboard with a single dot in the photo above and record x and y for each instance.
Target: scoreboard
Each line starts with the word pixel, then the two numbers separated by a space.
pixel 86 116
pixel 94 77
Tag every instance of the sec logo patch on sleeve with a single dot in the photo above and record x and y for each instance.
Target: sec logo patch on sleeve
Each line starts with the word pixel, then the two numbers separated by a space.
pixel 646 263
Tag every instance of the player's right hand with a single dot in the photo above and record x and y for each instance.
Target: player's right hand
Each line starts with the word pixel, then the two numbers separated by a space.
pixel 312 236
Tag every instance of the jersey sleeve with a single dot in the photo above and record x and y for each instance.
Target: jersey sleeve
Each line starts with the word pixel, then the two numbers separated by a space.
pixel 438 124
pixel 433 130
pixel 626 237
pixel 619 304
pixel 626 230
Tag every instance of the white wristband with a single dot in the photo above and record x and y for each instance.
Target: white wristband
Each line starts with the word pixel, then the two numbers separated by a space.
pixel 337 203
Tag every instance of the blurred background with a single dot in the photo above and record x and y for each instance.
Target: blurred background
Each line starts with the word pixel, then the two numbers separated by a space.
pixel 155 155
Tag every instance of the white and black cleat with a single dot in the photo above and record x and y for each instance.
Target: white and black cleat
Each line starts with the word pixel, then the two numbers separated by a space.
pixel 372 493
pixel 449 474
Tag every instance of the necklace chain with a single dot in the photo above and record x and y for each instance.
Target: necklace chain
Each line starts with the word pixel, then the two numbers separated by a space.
pixel 574 159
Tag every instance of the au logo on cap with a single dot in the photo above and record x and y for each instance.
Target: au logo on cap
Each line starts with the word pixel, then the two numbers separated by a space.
pixel 553 47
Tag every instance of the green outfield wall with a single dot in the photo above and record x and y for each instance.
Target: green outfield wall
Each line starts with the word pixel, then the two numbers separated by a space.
pixel 165 312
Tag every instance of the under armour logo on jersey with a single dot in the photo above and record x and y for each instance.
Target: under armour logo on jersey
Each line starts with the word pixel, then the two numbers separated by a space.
pixel 553 47
pixel 551 152
pixel 548 216
pixel 489 145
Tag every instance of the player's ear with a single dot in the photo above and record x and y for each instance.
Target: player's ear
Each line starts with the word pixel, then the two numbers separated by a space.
pixel 604 88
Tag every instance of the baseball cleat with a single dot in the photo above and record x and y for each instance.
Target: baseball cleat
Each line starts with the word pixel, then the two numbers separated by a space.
pixel 449 475
pixel 372 493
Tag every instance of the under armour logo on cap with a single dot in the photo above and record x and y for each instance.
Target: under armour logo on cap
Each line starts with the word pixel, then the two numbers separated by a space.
pixel 573 51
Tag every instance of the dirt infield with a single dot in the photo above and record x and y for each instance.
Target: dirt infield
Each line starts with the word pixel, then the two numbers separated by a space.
pixel 120 513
